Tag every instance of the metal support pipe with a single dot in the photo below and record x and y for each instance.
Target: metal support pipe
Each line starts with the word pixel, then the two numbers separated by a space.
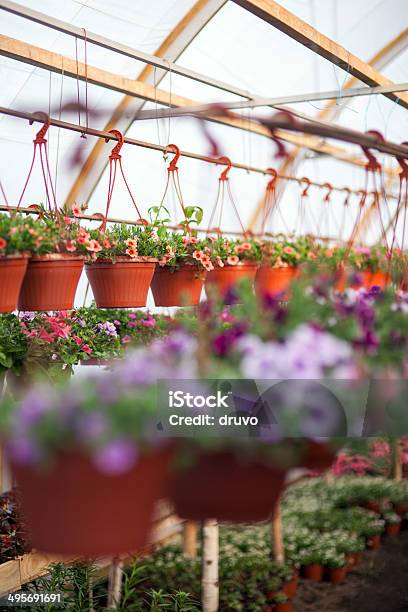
pixel 39 117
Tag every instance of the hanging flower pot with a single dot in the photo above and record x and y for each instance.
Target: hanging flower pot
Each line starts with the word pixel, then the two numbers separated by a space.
pixel 177 287
pixel 274 281
pixel 12 271
pixel 51 282
pixel 221 487
pixel 375 279
pixel 72 508
pixel 223 280
pixel 122 283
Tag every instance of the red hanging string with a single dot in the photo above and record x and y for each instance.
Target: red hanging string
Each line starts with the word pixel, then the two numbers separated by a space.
pixel 223 182
pixel 115 158
pixel 40 144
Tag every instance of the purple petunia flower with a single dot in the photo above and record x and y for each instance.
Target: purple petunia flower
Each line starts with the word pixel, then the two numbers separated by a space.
pixel 116 457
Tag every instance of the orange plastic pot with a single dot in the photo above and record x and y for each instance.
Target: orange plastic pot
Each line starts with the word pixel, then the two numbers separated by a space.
pixel 374 542
pixel 401 508
pixel 223 280
pixel 274 281
pixel 378 279
pixel 12 271
pixel 51 282
pixel 290 588
pixel 123 284
pixel 314 572
pixel 180 287
pixel 285 606
pixel 74 509
pixel 336 575
pixel 221 487
pixel 392 529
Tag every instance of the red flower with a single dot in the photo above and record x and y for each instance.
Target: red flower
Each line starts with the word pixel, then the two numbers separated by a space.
pixel 3 243
pixel 76 210
pixel 86 348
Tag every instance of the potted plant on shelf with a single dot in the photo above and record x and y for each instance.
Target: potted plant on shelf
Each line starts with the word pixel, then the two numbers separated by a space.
pixel 281 259
pixel 311 563
pixel 54 270
pixel 88 461
pixel 282 602
pixel 123 265
pixel 232 261
pixel 336 566
pixel 18 240
pixel 392 523
pixel 183 261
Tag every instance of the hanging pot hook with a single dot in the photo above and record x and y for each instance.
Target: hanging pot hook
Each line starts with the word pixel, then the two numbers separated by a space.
pixel 40 137
pixel 329 188
pixel 224 173
pixel 348 194
pixel 172 148
pixel 363 194
pixel 305 192
pixel 373 164
pixel 272 182
pixel 403 163
pixel 115 153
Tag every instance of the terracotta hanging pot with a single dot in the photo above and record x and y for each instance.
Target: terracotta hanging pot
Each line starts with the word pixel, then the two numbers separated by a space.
pixel 274 281
pixel 12 271
pixel 221 487
pixel 181 287
pixel 51 282
pixel 375 279
pixel 374 542
pixel 74 509
pixel 223 280
pixel 123 284
pixel 285 606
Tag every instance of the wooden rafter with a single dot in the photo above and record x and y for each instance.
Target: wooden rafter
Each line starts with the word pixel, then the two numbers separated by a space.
pixel 305 34
pixel 49 60
pixel 333 110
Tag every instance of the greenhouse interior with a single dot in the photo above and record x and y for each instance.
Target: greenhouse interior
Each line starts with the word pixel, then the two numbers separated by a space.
pixel 204 305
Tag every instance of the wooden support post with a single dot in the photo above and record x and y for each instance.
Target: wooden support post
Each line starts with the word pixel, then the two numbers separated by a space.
pixel 209 579
pixel 277 534
pixel 114 583
pixel 190 539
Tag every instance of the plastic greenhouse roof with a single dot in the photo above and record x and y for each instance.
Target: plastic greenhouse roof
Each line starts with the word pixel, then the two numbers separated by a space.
pixel 235 47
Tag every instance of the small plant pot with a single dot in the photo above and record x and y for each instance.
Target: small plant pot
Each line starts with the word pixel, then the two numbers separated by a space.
pixel 374 542
pixel 123 284
pixel 275 281
pixel 286 606
pixel 51 282
pixel 221 487
pixel 375 279
pixel 374 506
pixel 72 508
pixel 392 529
pixel 290 588
pixel 336 575
pixel 314 572
pixel 180 287
pixel 401 508
pixel 357 558
pixel 12 272
pixel 225 279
